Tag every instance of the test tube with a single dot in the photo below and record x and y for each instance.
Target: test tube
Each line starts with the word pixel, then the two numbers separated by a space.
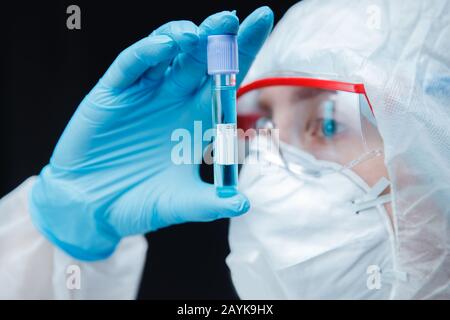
pixel 222 67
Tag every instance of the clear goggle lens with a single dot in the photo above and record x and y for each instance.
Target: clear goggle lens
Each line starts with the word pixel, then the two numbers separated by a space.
pixel 306 124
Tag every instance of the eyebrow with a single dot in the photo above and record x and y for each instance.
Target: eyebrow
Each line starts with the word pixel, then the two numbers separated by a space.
pixel 306 93
pixel 299 93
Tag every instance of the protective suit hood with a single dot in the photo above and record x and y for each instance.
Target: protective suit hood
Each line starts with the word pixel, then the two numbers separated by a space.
pixel 399 50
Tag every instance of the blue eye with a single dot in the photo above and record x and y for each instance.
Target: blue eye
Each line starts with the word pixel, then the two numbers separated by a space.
pixel 328 124
pixel 329 127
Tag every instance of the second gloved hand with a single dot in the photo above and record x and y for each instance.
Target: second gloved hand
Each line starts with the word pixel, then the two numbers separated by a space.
pixel 111 174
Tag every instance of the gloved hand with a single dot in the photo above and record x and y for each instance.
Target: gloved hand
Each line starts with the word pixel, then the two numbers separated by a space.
pixel 111 173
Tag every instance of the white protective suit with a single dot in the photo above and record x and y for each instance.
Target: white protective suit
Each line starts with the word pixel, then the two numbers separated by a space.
pixel 400 51
pixel 33 268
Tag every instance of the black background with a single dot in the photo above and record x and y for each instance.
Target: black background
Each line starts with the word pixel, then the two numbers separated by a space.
pixel 47 69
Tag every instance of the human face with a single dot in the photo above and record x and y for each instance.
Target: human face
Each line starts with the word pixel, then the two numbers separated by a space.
pixel 338 135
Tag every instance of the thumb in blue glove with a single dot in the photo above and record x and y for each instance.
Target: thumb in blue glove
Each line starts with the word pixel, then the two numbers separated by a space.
pixel 111 174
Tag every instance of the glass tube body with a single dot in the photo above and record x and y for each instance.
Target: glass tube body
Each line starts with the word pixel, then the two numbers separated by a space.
pixel 225 139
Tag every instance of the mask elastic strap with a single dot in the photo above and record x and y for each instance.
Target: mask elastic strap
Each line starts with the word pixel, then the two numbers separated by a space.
pixel 373 198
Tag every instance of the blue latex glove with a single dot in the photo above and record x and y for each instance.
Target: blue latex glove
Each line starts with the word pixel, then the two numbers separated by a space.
pixel 111 173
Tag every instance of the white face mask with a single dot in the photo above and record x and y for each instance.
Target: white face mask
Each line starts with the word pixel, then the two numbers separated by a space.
pixel 308 240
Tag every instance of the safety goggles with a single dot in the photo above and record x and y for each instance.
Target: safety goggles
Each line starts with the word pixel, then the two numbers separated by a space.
pixel 327 121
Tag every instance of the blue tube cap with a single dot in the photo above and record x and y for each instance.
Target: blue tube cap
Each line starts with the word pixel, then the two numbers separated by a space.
pixel 222 54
